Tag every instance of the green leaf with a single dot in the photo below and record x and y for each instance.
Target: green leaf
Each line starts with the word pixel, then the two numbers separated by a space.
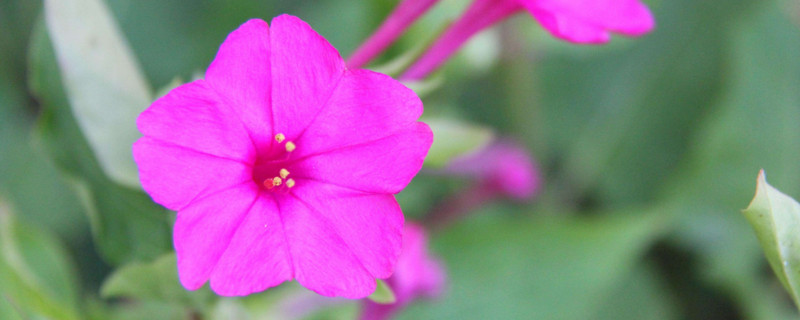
pixel 775 217
pixel 36 276
pixel 383 294
pixel 125 223
pixel 154 281
pixel 105 86
pixel 452 139
pixel 541 268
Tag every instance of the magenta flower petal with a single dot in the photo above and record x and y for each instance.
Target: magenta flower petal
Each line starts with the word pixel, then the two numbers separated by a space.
pixel 393 161
pixel 590 21
pixel 309 70
pixel 282 165
pixel 191 116
pixel 380 128
pixel 361 220
pixel 241 75
pixel 365 106
pixel 257 256
pixel 323 262
pixel 203 231
pixel 174 175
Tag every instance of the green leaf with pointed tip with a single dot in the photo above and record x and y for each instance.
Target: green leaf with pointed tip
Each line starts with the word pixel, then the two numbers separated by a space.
pixel 126 224
pixel 775 217
pixel 36 278
pixel 383 294
pixel 452 139
pixel 104 83
pixel 154 281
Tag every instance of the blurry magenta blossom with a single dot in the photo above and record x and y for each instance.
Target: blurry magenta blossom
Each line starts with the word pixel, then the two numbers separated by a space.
pixel 579 21
pixel 417 275
pixel 406 12
pixel 282 164
pixel 503 168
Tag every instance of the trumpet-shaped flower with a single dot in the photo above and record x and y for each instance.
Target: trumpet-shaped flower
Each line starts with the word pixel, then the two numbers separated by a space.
pixel 417 275
pixel 579 21
pixel 282 164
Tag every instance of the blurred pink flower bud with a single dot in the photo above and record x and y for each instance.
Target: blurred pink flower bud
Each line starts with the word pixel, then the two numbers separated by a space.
pixel 503 167
pixel 417 275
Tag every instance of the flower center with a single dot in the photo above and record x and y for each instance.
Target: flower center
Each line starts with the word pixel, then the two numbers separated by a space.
pixel 270 171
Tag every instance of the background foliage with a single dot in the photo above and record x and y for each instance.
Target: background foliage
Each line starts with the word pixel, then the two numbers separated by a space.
pixel 649 149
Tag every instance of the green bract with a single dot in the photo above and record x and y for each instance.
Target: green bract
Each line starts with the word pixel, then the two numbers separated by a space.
pixel 383 293
pixel 775 217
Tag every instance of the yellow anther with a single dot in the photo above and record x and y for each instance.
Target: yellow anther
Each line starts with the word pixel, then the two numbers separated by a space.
pixel 280 137
pixel 290 146
pixel 276 181
pixel 290 183
pixel 284 173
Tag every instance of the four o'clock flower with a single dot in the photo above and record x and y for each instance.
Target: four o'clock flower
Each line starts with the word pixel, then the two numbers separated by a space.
pixel 417 275
pixel 579 21
pixel 282 164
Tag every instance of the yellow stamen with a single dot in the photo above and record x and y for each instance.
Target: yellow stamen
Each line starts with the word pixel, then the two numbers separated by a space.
pixel 280 137
pixel 290 146
pixel 290 183
pixel 276 181
pixel 284 173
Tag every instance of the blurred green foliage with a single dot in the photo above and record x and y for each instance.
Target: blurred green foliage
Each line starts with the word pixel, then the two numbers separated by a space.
pixel 649 148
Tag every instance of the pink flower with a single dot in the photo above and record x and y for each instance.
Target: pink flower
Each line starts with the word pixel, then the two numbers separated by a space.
pixel 417 275
pixel 406 12
pixel 282 164
pixel 579 21
pixel 503 167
